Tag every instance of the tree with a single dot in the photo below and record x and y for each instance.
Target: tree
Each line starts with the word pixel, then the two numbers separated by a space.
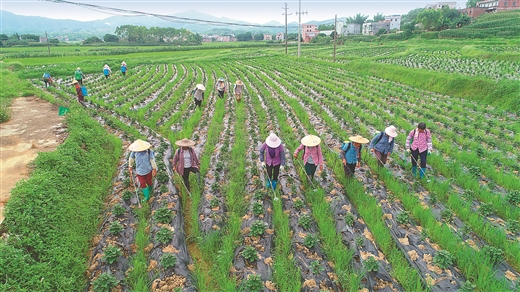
pixel 359 19
pixel 430 18
pixel 110 38
pixel 244 37
pixel 54 41
pixel 411 15
pixel 92 40
pixel 30 37
pixel 379 17
pixel 326 27
pixel 321 39
pixel 381 31
pixel 3 37
pixel 258 37
pixel 472 3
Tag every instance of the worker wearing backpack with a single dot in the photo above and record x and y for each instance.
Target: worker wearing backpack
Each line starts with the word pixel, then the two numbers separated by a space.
pixel 78 76
pixel 383 144
pixel 47 79
pixel 145 166
pixel 420 146
pixel 312 156
pixel 351 154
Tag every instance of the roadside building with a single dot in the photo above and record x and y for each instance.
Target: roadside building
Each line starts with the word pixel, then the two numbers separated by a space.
pixel 309 31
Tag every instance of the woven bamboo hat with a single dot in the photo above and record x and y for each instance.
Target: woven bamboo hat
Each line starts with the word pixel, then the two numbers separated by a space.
pixel 78 68
pixel 185 143
pixel 200 86
pixel 74 81
pixel 311 140
pixel 391 131
pixel 358 139
pixel 139 145
pixel 273 141
pixel 239 82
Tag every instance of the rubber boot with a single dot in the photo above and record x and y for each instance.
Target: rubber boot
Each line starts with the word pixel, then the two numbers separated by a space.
pixel 414 171
pixel 423 172
pixel 275 182
pixel 150 191
pixel 146 193
pixel 268 184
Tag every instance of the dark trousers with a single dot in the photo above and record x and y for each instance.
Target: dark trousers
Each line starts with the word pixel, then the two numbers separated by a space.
pixel 186 175
pixel 381 157
pixel 221 93
pixel 415 157
pixel 310 169
pixel 198 102
pixel 349 169
pixel 273 171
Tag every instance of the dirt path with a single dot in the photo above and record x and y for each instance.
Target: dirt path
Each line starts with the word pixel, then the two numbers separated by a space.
pixel 34 127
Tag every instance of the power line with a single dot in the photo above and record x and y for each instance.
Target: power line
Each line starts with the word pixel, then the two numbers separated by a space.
pixel 169 18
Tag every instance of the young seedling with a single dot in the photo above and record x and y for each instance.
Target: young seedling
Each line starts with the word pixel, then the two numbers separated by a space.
pixel 254 283
pixel 468 287
pixel 250 254
pixel 115 228
pixel 105 282
pixel 168 260
pixel 258 208
pixel 258 228
pixel 164 235
pixel 371 264
pixel 360 240
pixel 118 210
pixel 513 198
pixel 443 259
pixel 349 219
pixel 311 240
pixel 513 226
pixel 305 221
pixel 316 267
pixel 403 217
pixel 163 215
pixel 214 202
pixel 495 255
pixel 298 204
pixel 112 253
pixel 486 209
pixel 447 215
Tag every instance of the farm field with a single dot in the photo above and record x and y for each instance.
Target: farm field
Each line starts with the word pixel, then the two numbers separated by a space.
pixel 385 230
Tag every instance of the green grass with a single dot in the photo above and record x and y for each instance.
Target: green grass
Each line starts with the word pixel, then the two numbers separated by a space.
pixel 52 216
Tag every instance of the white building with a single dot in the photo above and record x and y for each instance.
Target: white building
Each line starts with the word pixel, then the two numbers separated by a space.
pixel 395 21
pixel 353 28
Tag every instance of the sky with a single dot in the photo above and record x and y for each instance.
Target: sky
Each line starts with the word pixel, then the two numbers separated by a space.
pixel 246 10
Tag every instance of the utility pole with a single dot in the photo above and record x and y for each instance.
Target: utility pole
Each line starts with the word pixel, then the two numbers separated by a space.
pixel 300 23
pixel 48 47
pixel 285 36
pixel 335 35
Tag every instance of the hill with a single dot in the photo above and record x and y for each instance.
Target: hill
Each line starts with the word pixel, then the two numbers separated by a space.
pixel 502 24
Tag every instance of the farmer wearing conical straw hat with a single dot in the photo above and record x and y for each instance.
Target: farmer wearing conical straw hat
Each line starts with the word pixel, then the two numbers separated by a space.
pixel 198 94
pixel 312 156
pixel 272 152
pixel 107 71
pixel 123 68
pixel 145 166
pixel 383 144
pixel 238 89
pixel 351 154
pixel 78 75
pixel 221 87
pixel 185 161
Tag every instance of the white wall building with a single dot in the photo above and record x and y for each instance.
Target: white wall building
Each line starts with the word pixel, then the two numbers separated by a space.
pixel 395 21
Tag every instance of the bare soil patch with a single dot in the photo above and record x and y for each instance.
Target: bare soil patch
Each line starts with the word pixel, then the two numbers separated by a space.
pixel 34 127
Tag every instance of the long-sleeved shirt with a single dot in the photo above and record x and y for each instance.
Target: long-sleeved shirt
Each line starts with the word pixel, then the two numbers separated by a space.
pixel 385 144
pixel 180 164
pixel 421 141
pixel 238 89
pixel 144 162
pixel 312 155
pixel 351 154
pixel 198 94
pixel 279 155
pixel 221 86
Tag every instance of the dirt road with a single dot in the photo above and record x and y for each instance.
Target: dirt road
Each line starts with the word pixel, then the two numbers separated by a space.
pixel 34 127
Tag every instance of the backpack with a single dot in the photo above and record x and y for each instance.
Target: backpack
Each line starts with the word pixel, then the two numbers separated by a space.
pixel 349 145
pixel 84 91
pixel 78 75
pixel 46 76
pixel 379 139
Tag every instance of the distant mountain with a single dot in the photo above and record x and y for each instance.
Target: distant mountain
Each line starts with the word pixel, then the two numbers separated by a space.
pixel 13 23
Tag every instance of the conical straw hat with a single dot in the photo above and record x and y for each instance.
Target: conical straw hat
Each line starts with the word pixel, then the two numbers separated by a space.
pixel 358 139
pixel 311 140
pixel 239 82
pixel 273 141
pixel 391 131
pixel 139 145
pixel 185 143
